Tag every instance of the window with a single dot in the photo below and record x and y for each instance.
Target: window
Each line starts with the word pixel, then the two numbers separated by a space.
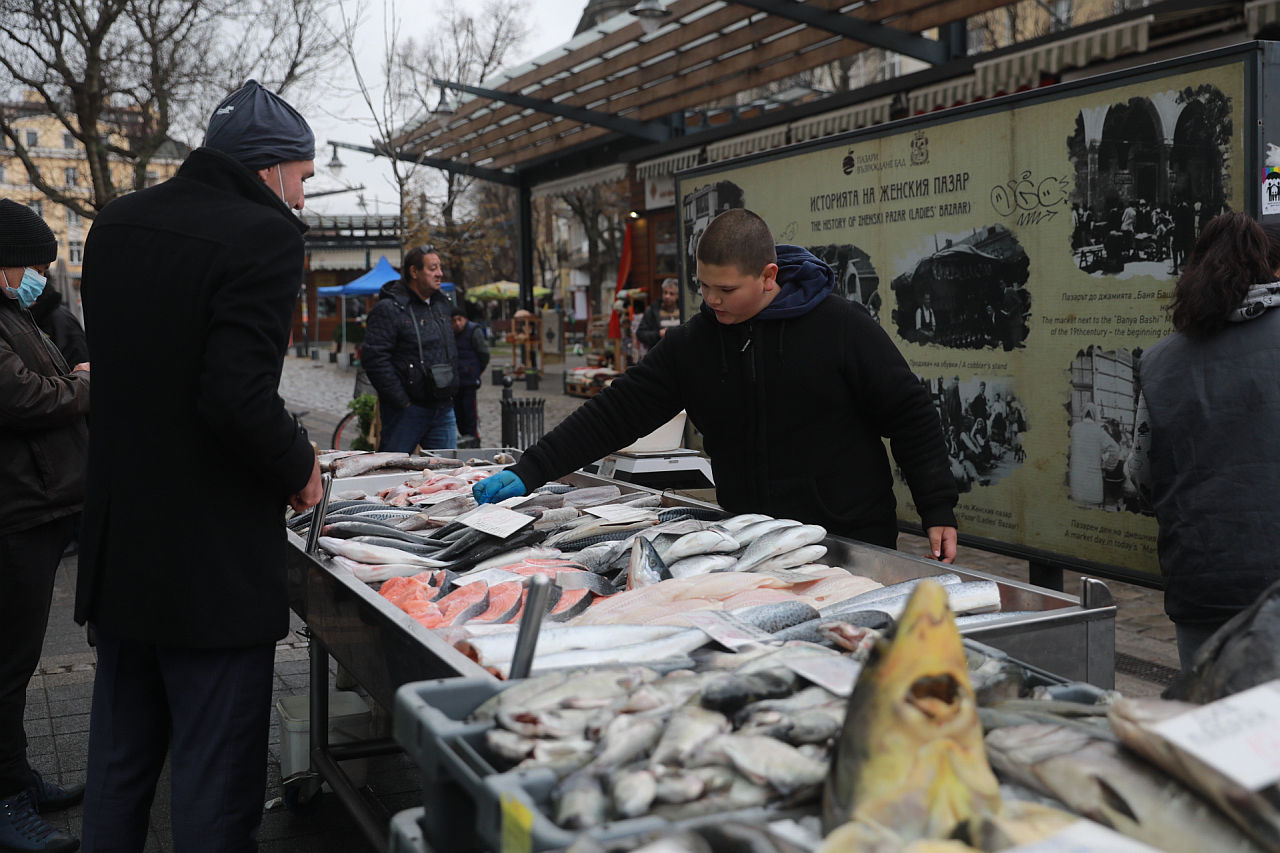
pixel 152 177
pixel 71 176
pixel 75 252
pixel 1060 13
pixel 73 218
pixel 33 139
pixel 37 206
pixel 891 66
pixel 68 140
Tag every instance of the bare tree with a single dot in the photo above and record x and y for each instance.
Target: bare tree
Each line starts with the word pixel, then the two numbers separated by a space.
pixel 125 77
pixel 601 209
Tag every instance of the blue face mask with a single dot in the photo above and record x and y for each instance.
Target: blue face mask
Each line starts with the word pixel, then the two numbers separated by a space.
pixel 28 290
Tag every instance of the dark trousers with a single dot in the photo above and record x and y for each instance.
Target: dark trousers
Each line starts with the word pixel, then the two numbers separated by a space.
pixel 464 410
pixel 213 706
pixel 429 427
pixel 28 564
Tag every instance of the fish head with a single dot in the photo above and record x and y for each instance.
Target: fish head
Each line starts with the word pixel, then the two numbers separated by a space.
pixel 911 753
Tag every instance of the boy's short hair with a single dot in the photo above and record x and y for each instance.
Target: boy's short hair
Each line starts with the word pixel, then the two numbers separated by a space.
pixel 740 239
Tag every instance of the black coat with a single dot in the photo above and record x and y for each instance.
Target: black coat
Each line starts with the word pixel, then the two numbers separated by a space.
pixel 42 426
pixel 792 420
pixel 57 321
pixel 189 288
pixel 390 353
pixel 473 354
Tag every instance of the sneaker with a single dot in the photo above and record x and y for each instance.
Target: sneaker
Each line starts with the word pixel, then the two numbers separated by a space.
pixel 51 797
pixel 22 829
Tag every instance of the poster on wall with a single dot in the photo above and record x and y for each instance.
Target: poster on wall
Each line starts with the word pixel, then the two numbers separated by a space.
pixel 1022 259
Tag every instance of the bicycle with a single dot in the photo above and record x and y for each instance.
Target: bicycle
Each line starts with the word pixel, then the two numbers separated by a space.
pixel 347 432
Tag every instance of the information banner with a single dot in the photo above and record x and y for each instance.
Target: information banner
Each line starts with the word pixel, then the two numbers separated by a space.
pixel 1021 258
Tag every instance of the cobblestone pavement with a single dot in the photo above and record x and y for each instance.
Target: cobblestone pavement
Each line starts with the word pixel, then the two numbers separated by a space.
pixel 58 699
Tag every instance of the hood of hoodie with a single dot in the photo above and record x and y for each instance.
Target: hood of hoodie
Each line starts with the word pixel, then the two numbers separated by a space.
pixel 803 282
pixel 48 300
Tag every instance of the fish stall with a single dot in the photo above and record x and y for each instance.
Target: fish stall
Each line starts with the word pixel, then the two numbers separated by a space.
pixel 398 590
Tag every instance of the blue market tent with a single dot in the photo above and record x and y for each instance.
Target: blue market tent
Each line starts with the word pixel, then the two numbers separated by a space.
pixel 367 284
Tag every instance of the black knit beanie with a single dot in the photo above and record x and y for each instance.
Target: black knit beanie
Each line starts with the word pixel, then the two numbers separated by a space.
pixel 24 238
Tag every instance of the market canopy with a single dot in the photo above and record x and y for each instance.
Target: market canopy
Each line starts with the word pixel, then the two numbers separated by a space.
pixel 367 284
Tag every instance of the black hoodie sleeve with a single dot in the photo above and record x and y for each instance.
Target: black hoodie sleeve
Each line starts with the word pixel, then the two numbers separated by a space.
pixel 650 328
pixel 634 405
pixel 905 415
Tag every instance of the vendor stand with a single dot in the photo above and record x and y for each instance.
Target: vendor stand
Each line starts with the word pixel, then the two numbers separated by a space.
pixel 383 648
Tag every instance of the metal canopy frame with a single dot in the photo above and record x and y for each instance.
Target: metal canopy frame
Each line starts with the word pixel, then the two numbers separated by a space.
pixel 869 32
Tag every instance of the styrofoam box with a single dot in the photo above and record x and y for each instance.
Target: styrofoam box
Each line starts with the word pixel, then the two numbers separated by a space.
pixel 666 437
pixel 349 720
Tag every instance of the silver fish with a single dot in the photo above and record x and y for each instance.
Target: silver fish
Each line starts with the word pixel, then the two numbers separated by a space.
pixel 561 757
pixel 764 760
pixel 645 567
pixel 628 737
pixel 674 644
pixel 690 727
pixel 737 522
pixel 864 600
pixel 580 802
pixel 967 597
pixel 678 787
pixel 354 466
pixel 375 554
pixel 750 533
pixel 500 647
pixel 701 564
pixel 633 792
pixel 710 541
pixel 508 745
pixel 802 556
pixel 591 496
pixel 779 541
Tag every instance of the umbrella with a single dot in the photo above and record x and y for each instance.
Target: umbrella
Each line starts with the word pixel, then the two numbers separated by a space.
pixel 503 290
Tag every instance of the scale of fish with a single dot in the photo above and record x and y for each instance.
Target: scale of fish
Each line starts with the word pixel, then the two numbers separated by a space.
pixel 911 757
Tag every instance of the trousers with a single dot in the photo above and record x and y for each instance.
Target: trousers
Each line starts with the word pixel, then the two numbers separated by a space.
pixel 212 707
pixel 465 412
pixel 428 427
pixel 28 565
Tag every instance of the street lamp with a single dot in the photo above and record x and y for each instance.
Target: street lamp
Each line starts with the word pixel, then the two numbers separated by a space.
pixel 650 13
pixel 336 165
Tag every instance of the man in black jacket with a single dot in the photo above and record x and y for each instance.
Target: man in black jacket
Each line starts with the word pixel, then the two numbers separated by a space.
pixel 411 358
pixel 43 443
pixel 792 389
pixel 189 288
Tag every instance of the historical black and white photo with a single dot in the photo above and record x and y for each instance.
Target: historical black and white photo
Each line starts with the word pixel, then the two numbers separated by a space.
pixel 701 205
pixel 1149 172
pixel 964 291
pixel 984 423
pixel 1101 414
pixel 856 277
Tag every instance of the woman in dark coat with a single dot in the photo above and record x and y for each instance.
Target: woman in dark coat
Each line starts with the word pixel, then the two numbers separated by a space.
pixel 1204 444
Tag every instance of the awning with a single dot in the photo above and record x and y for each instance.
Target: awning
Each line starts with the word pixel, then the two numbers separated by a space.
pixel 367 284
pixel 1260 13
pixel 1011 72
pixel 959 90
pixel 748 143
pixel 864 114
pixel 668 165
pixel 607 175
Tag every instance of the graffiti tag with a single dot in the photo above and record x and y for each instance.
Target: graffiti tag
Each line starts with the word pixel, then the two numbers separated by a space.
pixel 1027 194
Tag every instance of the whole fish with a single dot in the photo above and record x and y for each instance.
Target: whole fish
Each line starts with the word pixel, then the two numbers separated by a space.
pixel 419 548
pixel 362 553
pixel 1102 781
pixel 737 522
pixel 500 647
pixel 508 745
pixel 376 572
pixel 764 760
pixel 688 729
pixel 580 802
pixel 645 566
pixel 777 616
pixel 677 787
pixel 911 754
pixel 710 541
pixel 967 597
pixel 357 527
pixel 701 564
pixel 652 650
pixel 1239 655
pixel 592 527
pixel 1255 812
pixel 355 465
pixel 897 590
pixel 633 792
pixel 627 738
pixel 554 519
pixel 751 532
pixel 802 556
pixel 591 496
pixel 779 541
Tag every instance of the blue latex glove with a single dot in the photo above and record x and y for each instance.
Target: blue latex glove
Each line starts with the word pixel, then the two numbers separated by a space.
pixel 499 487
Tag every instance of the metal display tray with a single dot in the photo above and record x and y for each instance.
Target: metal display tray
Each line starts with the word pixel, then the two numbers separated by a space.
pixel 384 648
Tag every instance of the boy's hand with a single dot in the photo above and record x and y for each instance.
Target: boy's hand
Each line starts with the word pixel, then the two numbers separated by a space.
pixel 942 543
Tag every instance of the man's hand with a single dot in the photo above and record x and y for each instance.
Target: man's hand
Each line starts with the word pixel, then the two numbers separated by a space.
pixel 82 366
pixel 311 492
pixel 942 543
pixel 499 487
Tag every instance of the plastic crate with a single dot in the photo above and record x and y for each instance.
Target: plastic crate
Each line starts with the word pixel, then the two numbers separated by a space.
pixel 406 833
pixel 470 803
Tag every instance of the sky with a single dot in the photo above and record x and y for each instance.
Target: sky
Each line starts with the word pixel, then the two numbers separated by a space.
pixel 347 120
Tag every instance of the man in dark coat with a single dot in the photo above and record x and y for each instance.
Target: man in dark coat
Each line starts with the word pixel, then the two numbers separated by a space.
pixel 188 289
pixel 57 321
pixel 411 359
pixel 773 363
pixel 43 443
pixel 473 358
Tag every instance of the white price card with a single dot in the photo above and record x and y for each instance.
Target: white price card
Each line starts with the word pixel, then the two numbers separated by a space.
pixel 836 674
pixel 496 520
pixel 1239 736
pixel 489 576
pixel 1085 836
pixel 618 514
pixel 438 497
pixel 512 501
pixel 726 629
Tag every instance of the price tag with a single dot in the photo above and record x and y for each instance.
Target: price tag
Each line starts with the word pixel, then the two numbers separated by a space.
pixel 1238 736
pixel 726 629
pixel 438 497
pixel 489 576
pixel 836 674
pixel 512 501
pixel 517 826
pixel 1085 836
pixel 496 520
pixel 618 514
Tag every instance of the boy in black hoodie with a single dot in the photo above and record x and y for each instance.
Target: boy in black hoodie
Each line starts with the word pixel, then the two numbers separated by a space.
pixel 793 390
